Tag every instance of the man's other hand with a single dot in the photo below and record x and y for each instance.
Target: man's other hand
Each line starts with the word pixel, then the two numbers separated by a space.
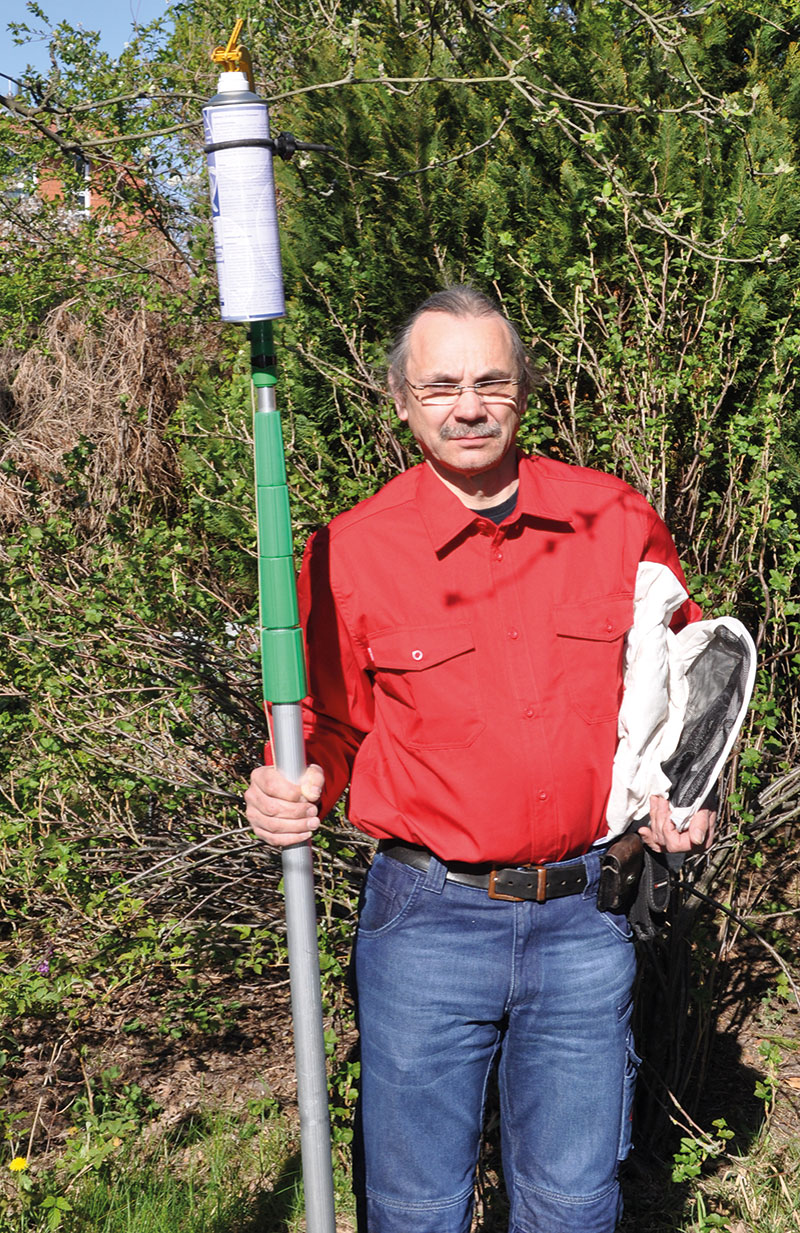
pixel 281 812
pixel 663 835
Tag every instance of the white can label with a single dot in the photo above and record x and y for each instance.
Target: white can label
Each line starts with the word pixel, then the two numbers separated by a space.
pixel 244 214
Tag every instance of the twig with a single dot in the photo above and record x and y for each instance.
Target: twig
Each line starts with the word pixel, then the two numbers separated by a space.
pixel 721 907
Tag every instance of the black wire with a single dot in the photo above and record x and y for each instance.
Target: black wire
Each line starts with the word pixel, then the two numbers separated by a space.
pixel 721 907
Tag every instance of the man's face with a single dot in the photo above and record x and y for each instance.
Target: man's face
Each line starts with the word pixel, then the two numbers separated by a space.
pixel 471 437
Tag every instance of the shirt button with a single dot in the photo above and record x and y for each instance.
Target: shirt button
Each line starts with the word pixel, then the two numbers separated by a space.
pixel 416 654
pixel 529 712
pixel 542 796
pixel 498 556
pixel 609 627
pixel 513 633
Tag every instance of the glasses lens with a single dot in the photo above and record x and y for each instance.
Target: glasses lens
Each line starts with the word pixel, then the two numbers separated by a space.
pixel 438 395
pixel 495 391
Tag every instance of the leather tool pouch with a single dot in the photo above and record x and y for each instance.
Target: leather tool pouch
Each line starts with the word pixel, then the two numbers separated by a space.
pixel 620 870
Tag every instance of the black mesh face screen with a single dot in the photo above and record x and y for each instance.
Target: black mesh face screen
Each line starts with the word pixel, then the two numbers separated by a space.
pixel 716 680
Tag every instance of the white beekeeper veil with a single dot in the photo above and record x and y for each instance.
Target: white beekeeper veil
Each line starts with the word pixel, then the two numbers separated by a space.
pixel 685 697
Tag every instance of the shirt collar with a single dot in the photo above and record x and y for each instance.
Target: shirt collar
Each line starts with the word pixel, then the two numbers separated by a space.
pixel 446 517
pixel 538 496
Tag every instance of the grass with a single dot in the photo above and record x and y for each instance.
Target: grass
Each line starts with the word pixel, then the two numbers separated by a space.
pixel 218 1173
pixel 756 1193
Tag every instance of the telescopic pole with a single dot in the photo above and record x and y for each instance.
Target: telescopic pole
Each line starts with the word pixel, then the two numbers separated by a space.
pixel 284 684
pixel 244 215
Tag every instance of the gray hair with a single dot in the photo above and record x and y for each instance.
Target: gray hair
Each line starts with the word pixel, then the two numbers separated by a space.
pixel 460 300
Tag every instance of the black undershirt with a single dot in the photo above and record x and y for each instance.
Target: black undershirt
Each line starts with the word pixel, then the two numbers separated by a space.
pixel 497 513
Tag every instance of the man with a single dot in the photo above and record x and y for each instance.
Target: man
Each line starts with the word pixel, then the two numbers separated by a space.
pixel 465 631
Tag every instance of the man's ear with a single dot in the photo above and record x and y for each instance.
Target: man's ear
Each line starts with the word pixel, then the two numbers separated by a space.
pixel 398 395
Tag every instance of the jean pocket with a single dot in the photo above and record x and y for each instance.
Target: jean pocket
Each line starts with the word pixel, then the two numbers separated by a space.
pixel 619 925
pixel 632 1061
pixel 389 892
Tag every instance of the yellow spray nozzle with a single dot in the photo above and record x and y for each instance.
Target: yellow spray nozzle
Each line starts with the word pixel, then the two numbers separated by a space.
pixel 235 58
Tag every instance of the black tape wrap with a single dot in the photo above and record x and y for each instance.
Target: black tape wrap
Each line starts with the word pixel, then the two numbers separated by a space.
pixel 266 142
pixel 284 145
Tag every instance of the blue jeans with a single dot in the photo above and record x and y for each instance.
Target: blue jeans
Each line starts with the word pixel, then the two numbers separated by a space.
pixel 446 976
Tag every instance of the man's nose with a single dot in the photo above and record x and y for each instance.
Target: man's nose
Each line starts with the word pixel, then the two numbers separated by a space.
pixel 469 406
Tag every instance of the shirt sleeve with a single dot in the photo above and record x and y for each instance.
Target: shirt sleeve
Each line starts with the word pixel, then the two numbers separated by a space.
pixel 660 547
pixel 338 710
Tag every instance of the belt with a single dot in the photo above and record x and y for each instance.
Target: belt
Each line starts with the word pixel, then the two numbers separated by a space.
pixel 535 882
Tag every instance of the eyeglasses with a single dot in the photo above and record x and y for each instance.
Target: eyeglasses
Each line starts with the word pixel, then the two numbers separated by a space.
pixel 446 394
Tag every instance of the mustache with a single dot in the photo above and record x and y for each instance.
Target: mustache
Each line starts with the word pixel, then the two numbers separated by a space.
pixel 458 432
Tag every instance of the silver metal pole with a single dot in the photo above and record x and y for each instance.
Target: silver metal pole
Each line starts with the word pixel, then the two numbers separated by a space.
pixel 309 1040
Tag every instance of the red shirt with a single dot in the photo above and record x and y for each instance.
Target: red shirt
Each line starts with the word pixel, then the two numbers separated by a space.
pixel 465 677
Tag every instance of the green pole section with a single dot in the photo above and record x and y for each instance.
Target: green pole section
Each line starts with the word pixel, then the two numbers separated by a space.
pixel 284 685
pixel 282 659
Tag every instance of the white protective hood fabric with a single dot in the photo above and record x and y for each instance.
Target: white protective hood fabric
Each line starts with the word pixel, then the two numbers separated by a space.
pixel 685 697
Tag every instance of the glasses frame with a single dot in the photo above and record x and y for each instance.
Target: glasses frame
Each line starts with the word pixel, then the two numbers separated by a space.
pixel 460 389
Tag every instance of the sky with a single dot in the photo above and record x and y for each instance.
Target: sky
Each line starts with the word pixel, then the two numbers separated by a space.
pixel 113 18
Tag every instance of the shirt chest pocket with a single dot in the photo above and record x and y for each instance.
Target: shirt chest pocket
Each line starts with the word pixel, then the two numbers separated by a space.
pixel 591 643
pixel 426 685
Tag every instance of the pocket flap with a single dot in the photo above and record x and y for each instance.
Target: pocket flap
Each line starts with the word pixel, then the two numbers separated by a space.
pixel 601 620
pixel 422 646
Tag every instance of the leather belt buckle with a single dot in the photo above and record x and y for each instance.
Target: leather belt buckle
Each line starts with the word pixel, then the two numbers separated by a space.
pixel 538 893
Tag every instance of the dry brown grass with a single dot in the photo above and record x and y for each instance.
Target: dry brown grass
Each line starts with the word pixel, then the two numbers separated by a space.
pixel 112 386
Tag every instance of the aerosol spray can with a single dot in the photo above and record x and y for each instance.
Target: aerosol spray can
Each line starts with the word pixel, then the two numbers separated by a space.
pixel 243 209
